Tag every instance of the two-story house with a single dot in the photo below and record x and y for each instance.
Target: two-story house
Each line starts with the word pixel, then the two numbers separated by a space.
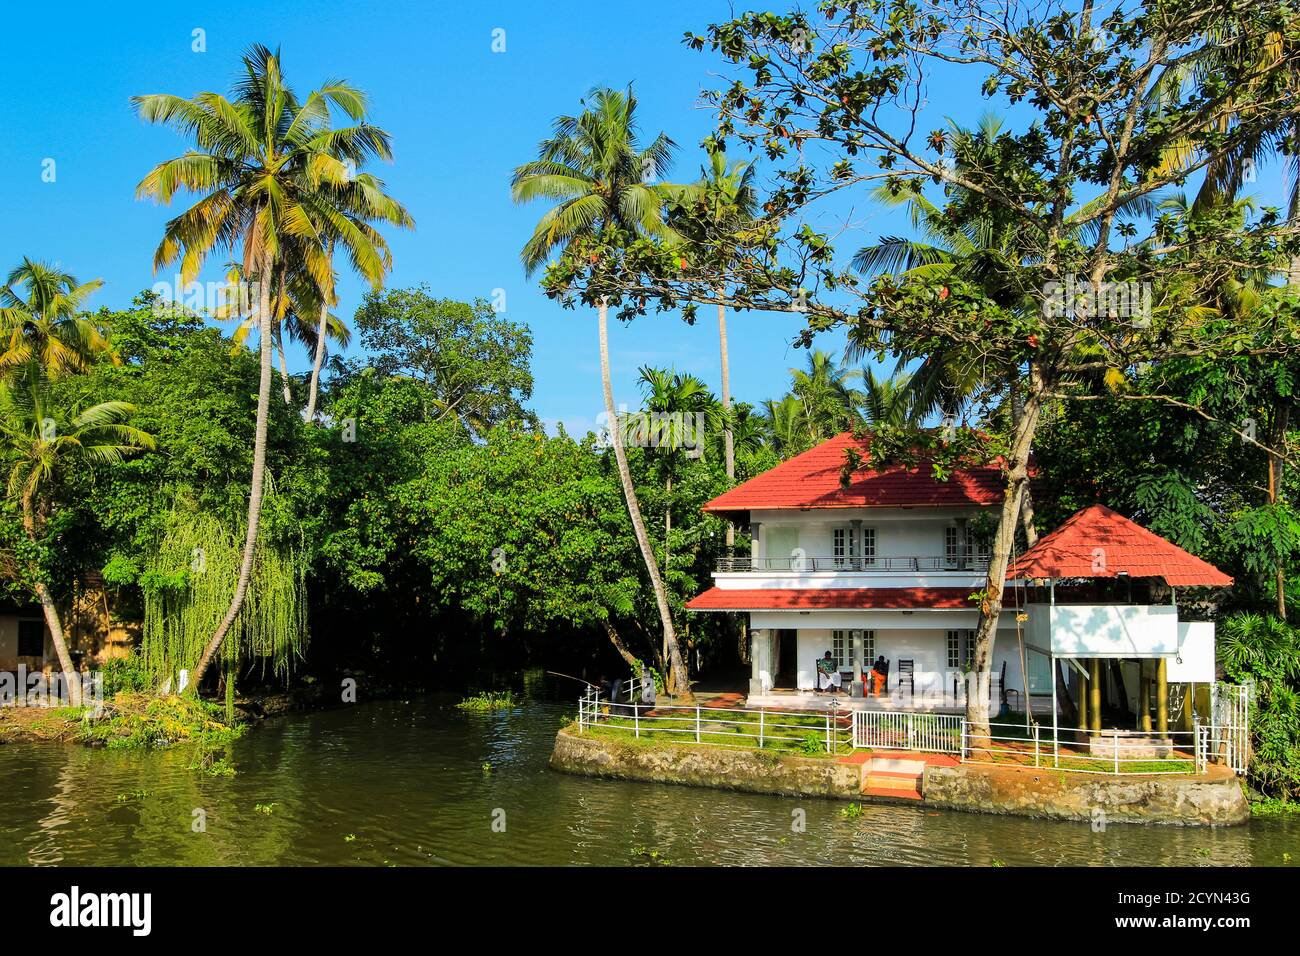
pixel 883 567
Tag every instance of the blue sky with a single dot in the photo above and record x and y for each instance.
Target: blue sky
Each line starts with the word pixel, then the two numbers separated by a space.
pixel 461 117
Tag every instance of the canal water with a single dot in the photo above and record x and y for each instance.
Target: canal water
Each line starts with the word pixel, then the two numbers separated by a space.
pixel 419 782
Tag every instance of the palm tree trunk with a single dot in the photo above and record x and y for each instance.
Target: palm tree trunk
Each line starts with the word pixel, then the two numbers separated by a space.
pixel 284 369
pixel 676 666
pixel 727 438
pixel 255 487
pixel 71 678
pixel 317 360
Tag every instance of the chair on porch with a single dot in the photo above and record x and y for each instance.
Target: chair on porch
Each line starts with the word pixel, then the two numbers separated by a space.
pixel 907 675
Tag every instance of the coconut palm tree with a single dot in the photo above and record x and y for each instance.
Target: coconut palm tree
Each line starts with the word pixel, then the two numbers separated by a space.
pixel 594 170
pixel 39 441
pixel 783 426
pixel 268 167
pixel 830 404
pixel 42 321
pixel 720 204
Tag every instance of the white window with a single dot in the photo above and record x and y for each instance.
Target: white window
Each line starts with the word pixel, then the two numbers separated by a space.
pixel 842 649
pixel 951 547
pixel 961 648
pixel 843 548
pixel 869 546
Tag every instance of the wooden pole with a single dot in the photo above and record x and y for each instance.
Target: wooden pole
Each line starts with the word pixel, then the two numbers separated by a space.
pixel 1094 693
pixel 1162 697
pixel 1144 696
pixel 1083 701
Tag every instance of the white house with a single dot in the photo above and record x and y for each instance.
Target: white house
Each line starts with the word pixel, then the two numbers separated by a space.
pixel 888 564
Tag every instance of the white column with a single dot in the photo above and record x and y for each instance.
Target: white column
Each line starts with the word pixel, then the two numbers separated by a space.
pixel 758 659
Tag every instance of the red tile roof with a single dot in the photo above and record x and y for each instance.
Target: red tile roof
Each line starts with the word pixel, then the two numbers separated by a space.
pixel 1100 543
pixel 812 480
pixel 830 599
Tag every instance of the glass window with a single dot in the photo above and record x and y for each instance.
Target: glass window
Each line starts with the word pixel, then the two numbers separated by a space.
pixel 842 648
pixel 31 638
pixel 961 648
pixel 843 546
pixel 950 547
pixel 869 545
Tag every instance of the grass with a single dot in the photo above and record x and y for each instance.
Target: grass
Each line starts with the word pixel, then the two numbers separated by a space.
pixel 1273 807
pixel 143 721
pixel 805 735
pixel 800 734
pixel 488 701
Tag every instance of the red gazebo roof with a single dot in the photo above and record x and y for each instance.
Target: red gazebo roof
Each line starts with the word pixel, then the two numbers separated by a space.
pixel 812 480
pixel 1099 543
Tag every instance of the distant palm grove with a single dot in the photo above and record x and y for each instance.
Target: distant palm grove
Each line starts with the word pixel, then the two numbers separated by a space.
pixel 1093 297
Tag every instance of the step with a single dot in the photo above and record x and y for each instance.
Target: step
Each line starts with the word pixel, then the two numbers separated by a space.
pixel 896 794
pixel 892 782
pixel 893 777
pixel 896 765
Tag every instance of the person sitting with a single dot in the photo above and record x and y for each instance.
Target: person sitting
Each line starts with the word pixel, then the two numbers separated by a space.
pixel 879 674
pixel 828 674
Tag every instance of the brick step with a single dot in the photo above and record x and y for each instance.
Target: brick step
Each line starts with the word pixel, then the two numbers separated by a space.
pixel 886 781
pixel 898 794
pixel 894 777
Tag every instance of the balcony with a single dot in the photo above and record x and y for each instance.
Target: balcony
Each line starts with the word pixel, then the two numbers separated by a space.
pixel 899 564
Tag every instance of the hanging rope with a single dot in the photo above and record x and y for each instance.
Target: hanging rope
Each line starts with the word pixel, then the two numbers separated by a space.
pixel 1030 722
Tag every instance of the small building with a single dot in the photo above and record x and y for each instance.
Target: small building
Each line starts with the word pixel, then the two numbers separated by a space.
pixel 881 567
pixel 93 634
pixel 1101 596
pixel 887 564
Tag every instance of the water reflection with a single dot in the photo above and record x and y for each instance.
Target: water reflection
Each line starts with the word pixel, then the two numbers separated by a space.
pixel 418 782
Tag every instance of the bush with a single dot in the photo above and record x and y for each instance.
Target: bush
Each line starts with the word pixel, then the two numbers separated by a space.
pixel 1266 651
pixel 125 675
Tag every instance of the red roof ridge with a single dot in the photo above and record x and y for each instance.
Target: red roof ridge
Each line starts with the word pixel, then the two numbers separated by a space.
pixel 1070 551
pixel 812 479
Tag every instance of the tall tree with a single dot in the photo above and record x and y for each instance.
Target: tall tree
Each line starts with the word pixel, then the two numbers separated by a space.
pixel 42 320
pixel 720 206
pixel 601 178
pixel 268 167
pixel 40 441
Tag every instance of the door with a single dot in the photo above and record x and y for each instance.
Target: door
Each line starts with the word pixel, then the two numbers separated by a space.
pixel 787 670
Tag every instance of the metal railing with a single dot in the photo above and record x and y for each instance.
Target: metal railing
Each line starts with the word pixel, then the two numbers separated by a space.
pixel 1114 753
pixel 899 730
pixel 807 732
pixel 837 731
pixel 900 564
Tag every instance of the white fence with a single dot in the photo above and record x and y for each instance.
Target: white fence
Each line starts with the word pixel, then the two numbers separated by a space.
pixel 889 730
pixel 1225 740
pixel 810 732
pixel 1230 724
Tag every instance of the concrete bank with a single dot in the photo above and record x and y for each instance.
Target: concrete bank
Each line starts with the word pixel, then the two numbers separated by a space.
pixel 1214 799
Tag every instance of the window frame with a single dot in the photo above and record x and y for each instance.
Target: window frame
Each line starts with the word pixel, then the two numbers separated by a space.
pixel 19 637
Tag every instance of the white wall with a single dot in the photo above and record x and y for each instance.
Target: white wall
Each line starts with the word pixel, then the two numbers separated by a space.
pixel 899 532
pixel 1109 630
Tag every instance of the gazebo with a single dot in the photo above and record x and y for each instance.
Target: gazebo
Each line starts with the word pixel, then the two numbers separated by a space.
pixel 1111 589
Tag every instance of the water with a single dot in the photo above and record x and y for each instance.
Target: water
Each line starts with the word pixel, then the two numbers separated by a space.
pixel 404 783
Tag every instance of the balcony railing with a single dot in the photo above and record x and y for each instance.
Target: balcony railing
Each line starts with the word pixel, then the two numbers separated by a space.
pixel 904 564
